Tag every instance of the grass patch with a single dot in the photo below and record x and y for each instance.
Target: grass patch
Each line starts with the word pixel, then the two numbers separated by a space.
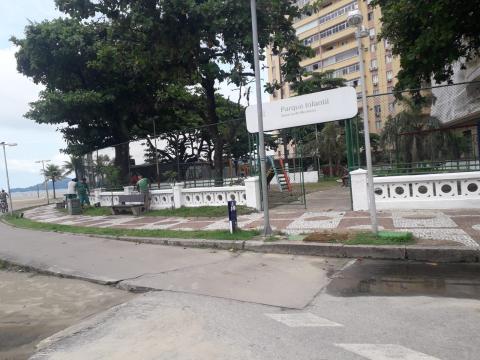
pixel 362 238
pixel 181 234
pixel 382 238
pixel 202 211
pixel 325 184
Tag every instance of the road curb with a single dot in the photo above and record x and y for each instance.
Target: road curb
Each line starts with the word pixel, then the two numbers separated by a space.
pixel 441 254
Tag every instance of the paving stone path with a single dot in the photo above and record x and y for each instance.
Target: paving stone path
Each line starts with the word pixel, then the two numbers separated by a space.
pixel 432 227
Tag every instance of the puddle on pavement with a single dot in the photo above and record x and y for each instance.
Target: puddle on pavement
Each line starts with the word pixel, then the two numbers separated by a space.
pixel 403 278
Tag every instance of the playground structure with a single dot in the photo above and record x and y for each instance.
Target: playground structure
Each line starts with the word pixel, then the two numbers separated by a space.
pixel 280 173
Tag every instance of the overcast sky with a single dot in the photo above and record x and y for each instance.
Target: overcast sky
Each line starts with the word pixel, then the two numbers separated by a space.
pixel 35 142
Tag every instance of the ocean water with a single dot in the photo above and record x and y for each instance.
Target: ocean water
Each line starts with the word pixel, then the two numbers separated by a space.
pixel 36 195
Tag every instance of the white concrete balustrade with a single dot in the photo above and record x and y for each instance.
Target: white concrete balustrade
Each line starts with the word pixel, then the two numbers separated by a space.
pixel 429 191
pixel 178 196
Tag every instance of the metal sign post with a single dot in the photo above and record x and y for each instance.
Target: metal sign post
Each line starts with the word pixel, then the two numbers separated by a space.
pixel 232 215
pixel 267 230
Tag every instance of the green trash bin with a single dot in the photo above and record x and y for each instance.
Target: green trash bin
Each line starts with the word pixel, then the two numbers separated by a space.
pixel 73 207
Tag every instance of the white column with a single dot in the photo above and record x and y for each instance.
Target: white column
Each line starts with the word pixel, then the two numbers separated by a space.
pixel 359 189
pixel 252 191
pixel 177 196
pixel 97 196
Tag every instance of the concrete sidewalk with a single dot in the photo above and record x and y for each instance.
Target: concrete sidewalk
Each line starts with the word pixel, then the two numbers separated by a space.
pixel 432 228
pixel 292 281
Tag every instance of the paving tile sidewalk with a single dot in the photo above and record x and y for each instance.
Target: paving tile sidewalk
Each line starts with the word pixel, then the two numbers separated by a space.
pixel 432 227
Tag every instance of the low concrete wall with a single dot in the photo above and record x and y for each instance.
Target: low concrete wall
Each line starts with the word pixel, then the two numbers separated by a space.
pixel 429 191
pixel 178 196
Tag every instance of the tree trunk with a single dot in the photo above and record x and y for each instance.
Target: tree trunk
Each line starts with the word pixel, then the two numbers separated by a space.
pixel 53 185
pixel 330 166
pixel 218 143
pixel 122 161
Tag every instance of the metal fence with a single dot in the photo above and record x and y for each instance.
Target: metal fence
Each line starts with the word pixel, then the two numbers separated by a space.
pixel 428 130
pixel 434 129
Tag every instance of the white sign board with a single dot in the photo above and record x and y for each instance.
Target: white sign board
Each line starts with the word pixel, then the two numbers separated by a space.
pixel 320 107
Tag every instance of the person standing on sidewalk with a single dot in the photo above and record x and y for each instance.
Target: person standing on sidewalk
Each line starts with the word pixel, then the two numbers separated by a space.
pixel 3 201
pixel 72 189
pixel 142 185
pixel 83 192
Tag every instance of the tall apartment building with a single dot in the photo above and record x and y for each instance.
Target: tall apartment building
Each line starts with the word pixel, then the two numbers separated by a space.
pixel 328 33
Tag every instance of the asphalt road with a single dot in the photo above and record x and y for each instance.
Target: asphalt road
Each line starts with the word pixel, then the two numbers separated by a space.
pixel 226 305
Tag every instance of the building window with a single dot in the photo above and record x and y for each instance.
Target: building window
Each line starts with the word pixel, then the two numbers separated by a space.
pixel 376 92
pixel 370 16
pixel 373 47
pixel 373 64
pixel 388 58
pixel 387 44
pixel 390 89
pixel 371 32
pixel 375 79
pixel 389 75
pixel 330 16
pixel 378 123
pixel 353 82
pixel 391 107
pixel 325 33
pixel 345 71
pixel 378 110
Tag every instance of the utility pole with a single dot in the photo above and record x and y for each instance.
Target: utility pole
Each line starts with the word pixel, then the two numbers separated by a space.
pixel 355 18
pixel 44 177
pixel 6 172
pixel 267 230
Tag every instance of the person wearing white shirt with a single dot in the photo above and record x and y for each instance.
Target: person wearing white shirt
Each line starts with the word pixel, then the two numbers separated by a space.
pixel 72 189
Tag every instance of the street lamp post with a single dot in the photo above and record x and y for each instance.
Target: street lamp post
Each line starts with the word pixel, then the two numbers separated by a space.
pixel 355 18
pixel 3 143
pixel 267 230
pixel 44 177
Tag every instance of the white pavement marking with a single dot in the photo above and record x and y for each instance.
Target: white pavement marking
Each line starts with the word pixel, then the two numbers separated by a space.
pixel 422 219
pixel 385 352
pixel 302 320
pixel 316 221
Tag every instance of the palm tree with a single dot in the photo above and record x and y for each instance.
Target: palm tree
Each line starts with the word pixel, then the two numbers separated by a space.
pixel 54 173
pixel 101 165
pixel 75 164
pixel 331 144
pixel 409 134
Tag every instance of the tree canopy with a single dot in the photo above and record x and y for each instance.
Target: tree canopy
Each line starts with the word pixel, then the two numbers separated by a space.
pixel 114 66
pixel 429 36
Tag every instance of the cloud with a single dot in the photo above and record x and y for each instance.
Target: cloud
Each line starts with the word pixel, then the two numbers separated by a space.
pixel 34 141
pixel 15 15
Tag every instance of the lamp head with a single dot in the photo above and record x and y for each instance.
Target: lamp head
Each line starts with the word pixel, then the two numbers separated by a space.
pixel 355 18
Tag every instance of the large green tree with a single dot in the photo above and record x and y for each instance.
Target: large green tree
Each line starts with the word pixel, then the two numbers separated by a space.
pixel 200 43
pixel 429 36
pixel 91 95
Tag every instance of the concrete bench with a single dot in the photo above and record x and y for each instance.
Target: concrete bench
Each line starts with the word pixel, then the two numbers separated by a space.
pixel 134 203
